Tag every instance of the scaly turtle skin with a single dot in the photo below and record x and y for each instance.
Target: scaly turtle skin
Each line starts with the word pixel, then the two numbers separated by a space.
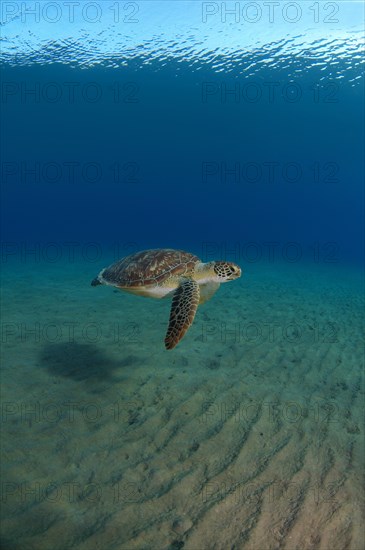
pixel 162 272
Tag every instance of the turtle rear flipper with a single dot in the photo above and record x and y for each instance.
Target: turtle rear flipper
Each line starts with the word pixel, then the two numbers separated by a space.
pixel 184 305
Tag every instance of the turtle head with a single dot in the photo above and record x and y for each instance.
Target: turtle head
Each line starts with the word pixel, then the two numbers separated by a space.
pixel 226 271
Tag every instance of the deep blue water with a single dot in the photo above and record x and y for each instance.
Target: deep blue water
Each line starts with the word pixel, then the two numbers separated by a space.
pixel 145 142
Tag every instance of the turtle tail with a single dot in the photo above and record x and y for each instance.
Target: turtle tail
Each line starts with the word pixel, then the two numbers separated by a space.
pixel 95 282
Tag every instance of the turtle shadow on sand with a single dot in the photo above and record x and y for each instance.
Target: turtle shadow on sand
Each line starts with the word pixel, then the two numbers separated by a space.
pixel 77 361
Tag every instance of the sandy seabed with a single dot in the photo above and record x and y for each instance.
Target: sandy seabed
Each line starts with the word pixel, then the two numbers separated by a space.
pixel 249 434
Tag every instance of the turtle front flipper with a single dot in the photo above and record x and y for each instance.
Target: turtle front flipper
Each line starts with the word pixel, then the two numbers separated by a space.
pixel 184 305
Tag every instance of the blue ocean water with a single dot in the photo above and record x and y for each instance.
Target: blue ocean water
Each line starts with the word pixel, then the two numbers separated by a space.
pixel 181 124
pixel 233 130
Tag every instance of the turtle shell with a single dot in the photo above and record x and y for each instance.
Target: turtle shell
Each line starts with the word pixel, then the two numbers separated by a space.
pixel 150 267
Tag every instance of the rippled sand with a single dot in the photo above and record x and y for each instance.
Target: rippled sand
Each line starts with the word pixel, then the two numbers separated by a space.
pixel 247 435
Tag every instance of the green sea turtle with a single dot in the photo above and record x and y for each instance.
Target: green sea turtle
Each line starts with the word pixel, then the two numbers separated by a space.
pixel 166 272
